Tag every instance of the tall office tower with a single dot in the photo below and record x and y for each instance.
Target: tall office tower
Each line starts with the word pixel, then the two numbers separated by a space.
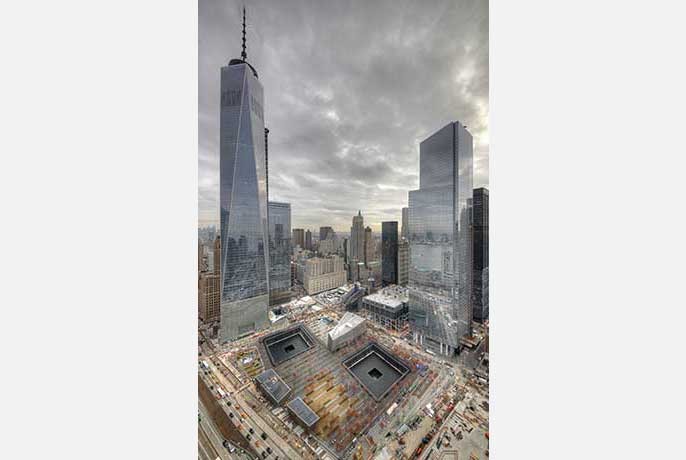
pixel 243 201
pixel 308 240
pixel 279 252
pixel 389 253
pixel 404 223
pixel 480 280
pixel 326 233
pixel 440 298
pixel 356 251
pixel 369 250
pixel 216 258
pixel 403 261
pixel 299 237
pixel 208 297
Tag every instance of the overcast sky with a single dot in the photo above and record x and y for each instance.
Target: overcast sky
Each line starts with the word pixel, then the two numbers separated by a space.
pixel 350 89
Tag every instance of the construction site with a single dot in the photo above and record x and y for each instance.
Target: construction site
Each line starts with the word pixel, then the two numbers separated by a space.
pixel 335 385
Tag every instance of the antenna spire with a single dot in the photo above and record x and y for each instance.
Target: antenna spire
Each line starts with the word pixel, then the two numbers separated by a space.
pixel 244 55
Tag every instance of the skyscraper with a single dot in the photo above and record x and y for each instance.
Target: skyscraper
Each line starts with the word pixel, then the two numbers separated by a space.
pixel 308 240
pixel 369 252
pixel 356 251
pixel 243 201
pixel 299 237
pixel 404 227
pixel 440 234
pixel 480 277
pixel 389 253
pixel 326 232
pixel 279 252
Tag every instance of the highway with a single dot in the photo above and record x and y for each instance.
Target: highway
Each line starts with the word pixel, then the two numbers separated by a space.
pixel 279 446
pixel 209 439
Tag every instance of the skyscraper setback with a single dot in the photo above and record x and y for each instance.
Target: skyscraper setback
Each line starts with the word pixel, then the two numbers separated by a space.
pixel 243 200
pixel 440 235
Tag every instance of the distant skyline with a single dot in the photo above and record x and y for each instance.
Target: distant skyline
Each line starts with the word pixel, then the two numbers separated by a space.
pixel 350 91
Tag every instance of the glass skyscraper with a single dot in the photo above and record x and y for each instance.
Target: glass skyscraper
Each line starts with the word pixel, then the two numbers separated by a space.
pixel 243 202
pixel 480 293
pixel 279 252
pixel 389 253
pixel 440 235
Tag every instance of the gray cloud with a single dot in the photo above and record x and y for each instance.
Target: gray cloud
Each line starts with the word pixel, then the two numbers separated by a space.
pixel 351 88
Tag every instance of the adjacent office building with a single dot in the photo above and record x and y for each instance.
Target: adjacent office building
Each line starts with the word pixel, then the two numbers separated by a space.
pixel 480 286
pixel 389 253
pixel 243 200
pixel 440 236
pixel 279 252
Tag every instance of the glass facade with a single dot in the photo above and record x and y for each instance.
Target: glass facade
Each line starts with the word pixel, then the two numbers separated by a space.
pixel 279 252
pixel 389 253
pixel 440 235
pixel 243 203
pixel 480 254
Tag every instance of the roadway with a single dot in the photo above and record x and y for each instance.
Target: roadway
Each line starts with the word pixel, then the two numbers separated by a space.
pixel 209 440
pixel 279 446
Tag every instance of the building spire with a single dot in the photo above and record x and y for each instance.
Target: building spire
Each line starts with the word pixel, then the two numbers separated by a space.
pixel 244 54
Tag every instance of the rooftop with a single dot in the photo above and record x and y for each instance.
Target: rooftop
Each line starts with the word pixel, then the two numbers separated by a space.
pixel 347 322
pixel 303 411
pixel 392 297
pixel 272 383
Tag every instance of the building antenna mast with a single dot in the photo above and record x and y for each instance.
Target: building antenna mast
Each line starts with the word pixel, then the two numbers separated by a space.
pixel 244 54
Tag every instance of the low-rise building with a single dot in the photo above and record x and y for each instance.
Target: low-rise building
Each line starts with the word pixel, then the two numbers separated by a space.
pixel 348 329
pixel 273 386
